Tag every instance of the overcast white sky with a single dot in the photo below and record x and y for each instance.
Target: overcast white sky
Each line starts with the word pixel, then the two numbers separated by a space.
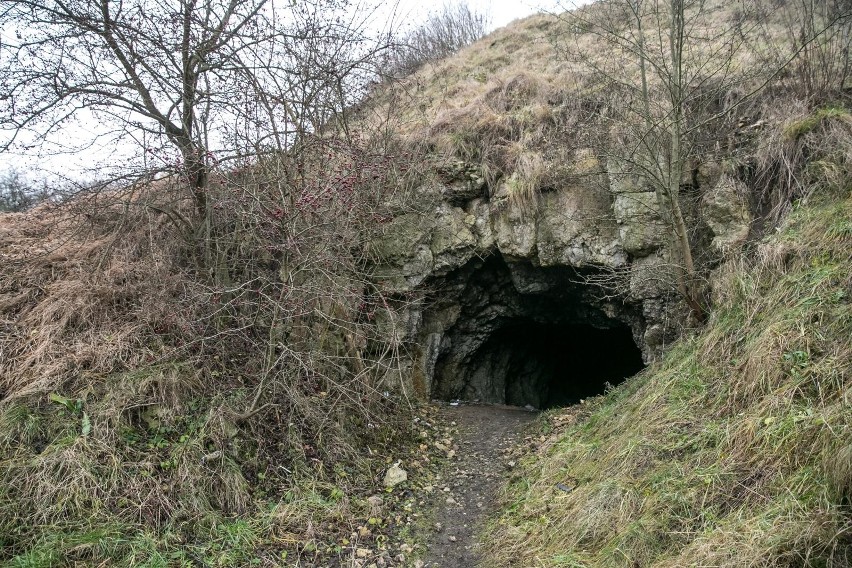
pixel 502 11
pixel 405 13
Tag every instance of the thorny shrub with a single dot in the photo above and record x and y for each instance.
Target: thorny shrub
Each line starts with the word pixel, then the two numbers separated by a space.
pixel 152 376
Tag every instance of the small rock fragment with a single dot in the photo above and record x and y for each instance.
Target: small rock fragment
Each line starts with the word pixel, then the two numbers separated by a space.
pixel 375 502
pixel 362 552
pixel 395 475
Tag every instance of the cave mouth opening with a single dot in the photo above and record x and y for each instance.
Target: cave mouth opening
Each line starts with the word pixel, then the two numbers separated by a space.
pixel 547 365
pixel 524 335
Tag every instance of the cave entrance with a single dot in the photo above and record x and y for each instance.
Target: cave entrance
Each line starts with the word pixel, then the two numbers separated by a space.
pixel 524 335
pixel 550 365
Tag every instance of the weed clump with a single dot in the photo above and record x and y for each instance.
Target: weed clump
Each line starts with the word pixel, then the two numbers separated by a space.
pixel 798 128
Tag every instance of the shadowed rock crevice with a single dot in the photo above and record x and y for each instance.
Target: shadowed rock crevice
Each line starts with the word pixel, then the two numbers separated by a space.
pixel 514 333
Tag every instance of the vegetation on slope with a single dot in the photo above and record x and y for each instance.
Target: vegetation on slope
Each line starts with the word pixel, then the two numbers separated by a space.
pixel 736 450
pixel 222 393
pixel 602 98
pixel 154 414
pixel 201 369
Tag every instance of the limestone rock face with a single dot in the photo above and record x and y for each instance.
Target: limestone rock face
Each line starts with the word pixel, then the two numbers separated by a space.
pixel 576 228
pixel 651 277
pixel 403 253
pixel 727 213
pixel 453 242
pixel 463 182
pixel 584 250
pixel 479 220
pixel 514 225
pixel 641 230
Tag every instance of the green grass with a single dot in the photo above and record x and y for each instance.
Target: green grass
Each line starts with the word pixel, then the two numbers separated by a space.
pixel 799 128
pixel 734 451
pixel 93 476
pixel 139 486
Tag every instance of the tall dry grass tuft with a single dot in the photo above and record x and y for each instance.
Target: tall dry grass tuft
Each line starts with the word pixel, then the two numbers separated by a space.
pixel 81 291
pixel 808 152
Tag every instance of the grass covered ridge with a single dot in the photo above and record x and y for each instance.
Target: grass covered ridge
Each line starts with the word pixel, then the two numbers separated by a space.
pixel 734 451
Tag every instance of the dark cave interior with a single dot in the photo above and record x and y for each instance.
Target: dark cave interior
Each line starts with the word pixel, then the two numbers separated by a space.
pixel 532 336
pixel 549 365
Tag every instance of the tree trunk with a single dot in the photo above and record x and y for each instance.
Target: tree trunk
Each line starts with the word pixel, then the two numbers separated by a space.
pixel 688 281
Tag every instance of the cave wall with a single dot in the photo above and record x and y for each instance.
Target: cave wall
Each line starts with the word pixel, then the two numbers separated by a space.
pixel 495 335
pixel 543 365
pixel 468 261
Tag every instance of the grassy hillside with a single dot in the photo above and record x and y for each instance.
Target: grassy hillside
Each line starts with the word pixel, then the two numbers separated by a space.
pixel 736 450
pixel 231 394
pixel 552 101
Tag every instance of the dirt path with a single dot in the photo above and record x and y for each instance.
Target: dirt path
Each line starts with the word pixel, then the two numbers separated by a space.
pixel 466 492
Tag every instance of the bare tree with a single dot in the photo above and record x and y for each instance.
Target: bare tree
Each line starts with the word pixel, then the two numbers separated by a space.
pixel 17 193
pixel 821 34
pixel 239 103
pixel 210 79
pixel 680 74
pixel 443 33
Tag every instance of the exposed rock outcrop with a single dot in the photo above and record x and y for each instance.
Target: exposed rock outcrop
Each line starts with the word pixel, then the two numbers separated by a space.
pixel 478 261
pixel 726 211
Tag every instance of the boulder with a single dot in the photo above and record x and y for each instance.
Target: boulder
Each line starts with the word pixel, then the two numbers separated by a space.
pixel 641 229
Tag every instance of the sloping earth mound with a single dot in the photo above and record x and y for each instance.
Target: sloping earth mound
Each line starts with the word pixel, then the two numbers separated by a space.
pixel 135 427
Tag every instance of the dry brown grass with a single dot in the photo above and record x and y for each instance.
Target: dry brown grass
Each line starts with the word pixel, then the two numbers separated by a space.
pixel 147 402
pixel 79 296
pixel 561 81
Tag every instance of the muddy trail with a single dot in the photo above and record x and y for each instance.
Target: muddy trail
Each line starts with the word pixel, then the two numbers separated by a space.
pixel 465 493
